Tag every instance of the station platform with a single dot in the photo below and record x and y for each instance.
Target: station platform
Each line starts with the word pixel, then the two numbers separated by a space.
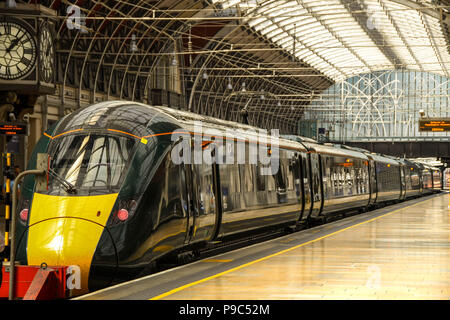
pixel 400 251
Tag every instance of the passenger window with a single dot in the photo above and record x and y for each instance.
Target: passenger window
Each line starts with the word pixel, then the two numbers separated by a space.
pixel 348 178
pixel 271 186
pixel 174 191
pixel 260 178
pixel 248 177
pixel 235 183
pixel 290 175
pixel 280 177
pixel 205 188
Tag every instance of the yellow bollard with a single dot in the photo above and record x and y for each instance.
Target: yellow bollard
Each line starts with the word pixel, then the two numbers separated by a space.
pixel 7 207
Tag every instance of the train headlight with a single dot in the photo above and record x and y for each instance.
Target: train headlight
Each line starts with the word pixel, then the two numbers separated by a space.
pixel 122 214
pixel 24 212
pixel 123 211
pixel 23 215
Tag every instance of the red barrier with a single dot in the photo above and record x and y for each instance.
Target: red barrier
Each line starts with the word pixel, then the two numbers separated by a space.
pixel 35 283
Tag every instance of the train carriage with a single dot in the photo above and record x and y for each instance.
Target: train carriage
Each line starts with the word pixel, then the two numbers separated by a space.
pixel 389 179
pixel 413 179
pixel 437 179
pixel 343 178
pixel 427 178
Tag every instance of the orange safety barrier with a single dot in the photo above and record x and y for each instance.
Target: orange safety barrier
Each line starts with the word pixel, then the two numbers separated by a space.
pixel 35 283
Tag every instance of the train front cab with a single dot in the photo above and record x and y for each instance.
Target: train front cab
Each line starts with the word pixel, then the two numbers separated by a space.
pixel 100 225
pixel 64 228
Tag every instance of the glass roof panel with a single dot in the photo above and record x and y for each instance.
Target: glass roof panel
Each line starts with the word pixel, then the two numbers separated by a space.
pixel 344 40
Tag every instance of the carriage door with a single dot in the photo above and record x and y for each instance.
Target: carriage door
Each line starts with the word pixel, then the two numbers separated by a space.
pixel 186 194
pixel 205 203
pixel 307 191
pixel 298 181
pixel 373 182
pixel 402 182
pixel 316 184
pixel 407 172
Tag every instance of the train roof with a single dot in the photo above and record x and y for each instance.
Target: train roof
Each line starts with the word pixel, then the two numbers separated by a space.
pixel 426 166
pixel 136 119
pixel 384 159
pixel 332 150
pixel 237 130
pixel 429 166
pixel 128 117
pixel 343 146
pixel 297 138
pixel 409 163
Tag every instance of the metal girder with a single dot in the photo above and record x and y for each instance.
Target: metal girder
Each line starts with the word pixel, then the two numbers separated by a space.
pixel 102 62
pixel 400 35
pixel 334 34
pixel 425 23
pixel 358 11
pixel 419 6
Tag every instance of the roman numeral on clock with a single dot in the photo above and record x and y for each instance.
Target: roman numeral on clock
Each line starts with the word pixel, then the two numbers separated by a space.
pixel 25 61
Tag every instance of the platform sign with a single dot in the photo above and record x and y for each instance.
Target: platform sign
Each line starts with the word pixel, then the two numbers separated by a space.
pixel 434 124
pixel 11 129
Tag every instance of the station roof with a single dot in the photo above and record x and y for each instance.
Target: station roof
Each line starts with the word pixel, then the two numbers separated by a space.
pixel 343 38
pixel 318 41
pixel 286 51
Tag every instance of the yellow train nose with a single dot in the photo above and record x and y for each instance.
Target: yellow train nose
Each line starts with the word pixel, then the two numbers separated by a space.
pixel 65 231
pixel 65 242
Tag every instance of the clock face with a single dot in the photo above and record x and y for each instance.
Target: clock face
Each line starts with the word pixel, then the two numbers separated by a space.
pixel 46 54
pixel 17 50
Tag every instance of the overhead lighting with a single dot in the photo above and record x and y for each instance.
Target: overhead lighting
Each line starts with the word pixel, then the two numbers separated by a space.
pixel 229 85
pixel 205 76
pixel 134 47
pixel 243 87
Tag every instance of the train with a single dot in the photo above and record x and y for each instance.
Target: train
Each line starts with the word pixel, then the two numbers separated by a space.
pixel 122 192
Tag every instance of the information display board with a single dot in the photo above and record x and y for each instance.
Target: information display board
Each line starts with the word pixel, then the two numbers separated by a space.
pixel 11 129
pixel 434 124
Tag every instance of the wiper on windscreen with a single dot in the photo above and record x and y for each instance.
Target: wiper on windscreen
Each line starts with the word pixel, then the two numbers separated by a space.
pixel 70 188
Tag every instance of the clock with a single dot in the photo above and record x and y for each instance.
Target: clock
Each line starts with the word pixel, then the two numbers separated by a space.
pixel 46 53
pixel 17 50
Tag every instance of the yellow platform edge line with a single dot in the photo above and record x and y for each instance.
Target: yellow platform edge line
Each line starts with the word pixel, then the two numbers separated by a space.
pixel 168 293
pixel 217 260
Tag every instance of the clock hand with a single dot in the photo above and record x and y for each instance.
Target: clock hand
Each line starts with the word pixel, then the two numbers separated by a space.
pixel 14 43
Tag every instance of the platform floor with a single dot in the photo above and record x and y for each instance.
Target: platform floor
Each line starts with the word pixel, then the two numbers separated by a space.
pixel 398 252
